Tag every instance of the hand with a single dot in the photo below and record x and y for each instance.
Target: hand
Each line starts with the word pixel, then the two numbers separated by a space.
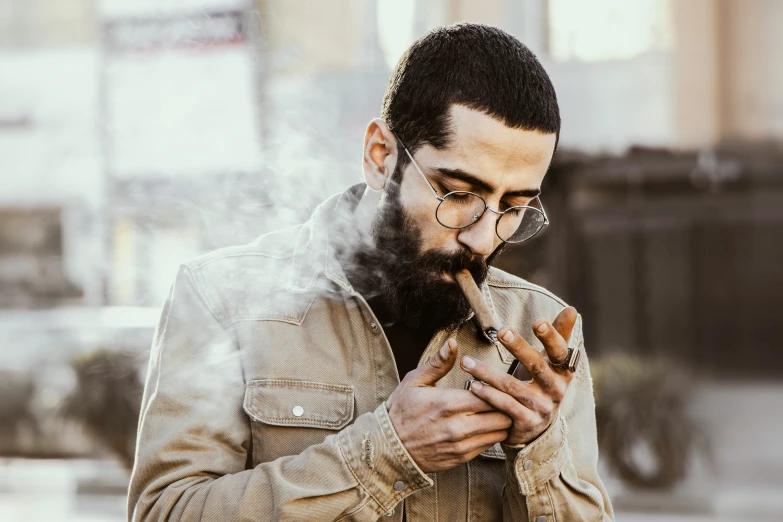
pixel 533 404
pixel 442 428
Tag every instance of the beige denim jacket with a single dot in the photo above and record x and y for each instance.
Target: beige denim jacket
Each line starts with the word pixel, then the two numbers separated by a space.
pixel 265 396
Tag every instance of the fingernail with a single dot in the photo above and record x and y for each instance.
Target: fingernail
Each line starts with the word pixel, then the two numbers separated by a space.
pixel 467 362
pixel 541 328
pixel 445 350
pixel 508 336
pixel 476 385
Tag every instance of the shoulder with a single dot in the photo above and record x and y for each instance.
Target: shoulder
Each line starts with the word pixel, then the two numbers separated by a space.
pixel 238 282
pixel 502 283
pixel 278 245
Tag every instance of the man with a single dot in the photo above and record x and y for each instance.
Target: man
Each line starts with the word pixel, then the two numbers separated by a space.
pixel 274 386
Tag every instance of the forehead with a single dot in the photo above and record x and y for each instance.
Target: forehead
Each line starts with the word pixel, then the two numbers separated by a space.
pixel 484 146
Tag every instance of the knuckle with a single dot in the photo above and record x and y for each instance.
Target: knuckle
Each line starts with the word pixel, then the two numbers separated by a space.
pixel 501 436
pixel 443 437
pixel 460 449
pixel 538 368
pixel 527 403
pixel 509 386
pixel 442 405
pixel 455 451
pixel 456 433
pixel 558 393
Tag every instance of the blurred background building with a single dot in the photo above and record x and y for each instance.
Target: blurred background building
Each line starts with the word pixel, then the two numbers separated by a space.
pixel 135 134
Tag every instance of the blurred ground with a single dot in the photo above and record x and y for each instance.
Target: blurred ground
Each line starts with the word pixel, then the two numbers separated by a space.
pixel 744 483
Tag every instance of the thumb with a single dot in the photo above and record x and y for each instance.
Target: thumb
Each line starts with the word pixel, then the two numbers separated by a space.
pixel 437 365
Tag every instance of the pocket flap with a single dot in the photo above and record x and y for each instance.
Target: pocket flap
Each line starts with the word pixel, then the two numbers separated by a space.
pixel 282 402
pixel 494 452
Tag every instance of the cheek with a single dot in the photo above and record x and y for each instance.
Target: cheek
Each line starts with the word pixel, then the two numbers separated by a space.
pixel 420 206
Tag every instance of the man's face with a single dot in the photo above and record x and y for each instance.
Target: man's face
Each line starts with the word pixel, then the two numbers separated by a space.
pixel 503 163
pixel 417 255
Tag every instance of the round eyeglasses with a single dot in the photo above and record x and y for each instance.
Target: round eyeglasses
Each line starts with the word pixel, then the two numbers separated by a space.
pixel 460 209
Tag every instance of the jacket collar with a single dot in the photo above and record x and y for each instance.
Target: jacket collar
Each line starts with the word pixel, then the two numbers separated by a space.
pixel 314 253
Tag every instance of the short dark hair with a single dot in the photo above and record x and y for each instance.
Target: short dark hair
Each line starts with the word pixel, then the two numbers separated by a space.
pixel 479 66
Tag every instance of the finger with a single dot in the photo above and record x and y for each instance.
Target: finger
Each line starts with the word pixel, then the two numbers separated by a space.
pixel 473 425
pixel 565 321
pixel 529 396
pixel 454 401
pixel 474 446
pixel 535 363
pixel 556 347
pixel 506 403
pixel 437 365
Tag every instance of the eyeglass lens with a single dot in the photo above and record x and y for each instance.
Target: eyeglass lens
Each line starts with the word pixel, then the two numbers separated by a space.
pixel 462 209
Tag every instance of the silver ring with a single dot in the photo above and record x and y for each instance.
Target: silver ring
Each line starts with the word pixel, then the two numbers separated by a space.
pixel 570 362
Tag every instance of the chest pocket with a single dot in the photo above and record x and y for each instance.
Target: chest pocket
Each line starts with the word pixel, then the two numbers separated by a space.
pixel 288 416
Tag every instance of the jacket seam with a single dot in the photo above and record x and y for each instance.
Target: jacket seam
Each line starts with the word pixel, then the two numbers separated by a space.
pixel 290 383
pixel 204 263
pixel 285 422
pixel 551 503
pixel 296 320
pixel 356 477
pixel 200 292
pixel 529 289
pixel 356 510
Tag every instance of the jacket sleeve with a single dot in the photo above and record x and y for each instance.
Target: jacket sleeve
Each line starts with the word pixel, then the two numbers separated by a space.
pixel 194 439
pixel 555 477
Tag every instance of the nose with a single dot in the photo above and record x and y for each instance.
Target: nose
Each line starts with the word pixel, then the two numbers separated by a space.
pixel 480 236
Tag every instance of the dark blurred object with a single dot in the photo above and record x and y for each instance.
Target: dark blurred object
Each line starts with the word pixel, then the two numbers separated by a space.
pixel 32 273
pixel 17 418
pixel 107 400
pixel 668 252
pixel 644 428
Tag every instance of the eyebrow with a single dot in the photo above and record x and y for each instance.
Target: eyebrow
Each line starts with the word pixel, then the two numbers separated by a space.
pixel 483 185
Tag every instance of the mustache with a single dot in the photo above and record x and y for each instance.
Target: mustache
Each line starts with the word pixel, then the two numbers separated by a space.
pixel 440 261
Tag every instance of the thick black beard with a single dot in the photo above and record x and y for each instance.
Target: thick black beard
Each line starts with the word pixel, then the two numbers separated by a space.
pixel 410 283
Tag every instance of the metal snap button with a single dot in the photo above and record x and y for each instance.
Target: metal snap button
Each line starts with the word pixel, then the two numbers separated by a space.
pixel 374 326
pixel 527 465
pixel 542 518
pixel 399 485
pixel 298 411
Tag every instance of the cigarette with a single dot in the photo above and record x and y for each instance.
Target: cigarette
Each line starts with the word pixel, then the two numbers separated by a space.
pixel 476 301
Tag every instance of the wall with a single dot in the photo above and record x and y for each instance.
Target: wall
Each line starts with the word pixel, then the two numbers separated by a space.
pixel 752 76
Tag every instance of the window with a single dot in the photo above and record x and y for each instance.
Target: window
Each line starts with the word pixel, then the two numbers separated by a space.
pixel 607 29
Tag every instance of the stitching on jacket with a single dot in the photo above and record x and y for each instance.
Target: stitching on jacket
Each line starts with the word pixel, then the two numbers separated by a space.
pixel 551 503
pixel 493 452
pixel 366 489
pixel 250 253
pixel 399 451
pixel 471 480
pixel 522 286
pixel 313 418
pixel 296 320
pixel 556 453
pixel 283 383
pixel 201 293
pixel 353 512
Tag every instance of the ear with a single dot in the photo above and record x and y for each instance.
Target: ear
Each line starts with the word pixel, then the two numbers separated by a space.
pixel 380 154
